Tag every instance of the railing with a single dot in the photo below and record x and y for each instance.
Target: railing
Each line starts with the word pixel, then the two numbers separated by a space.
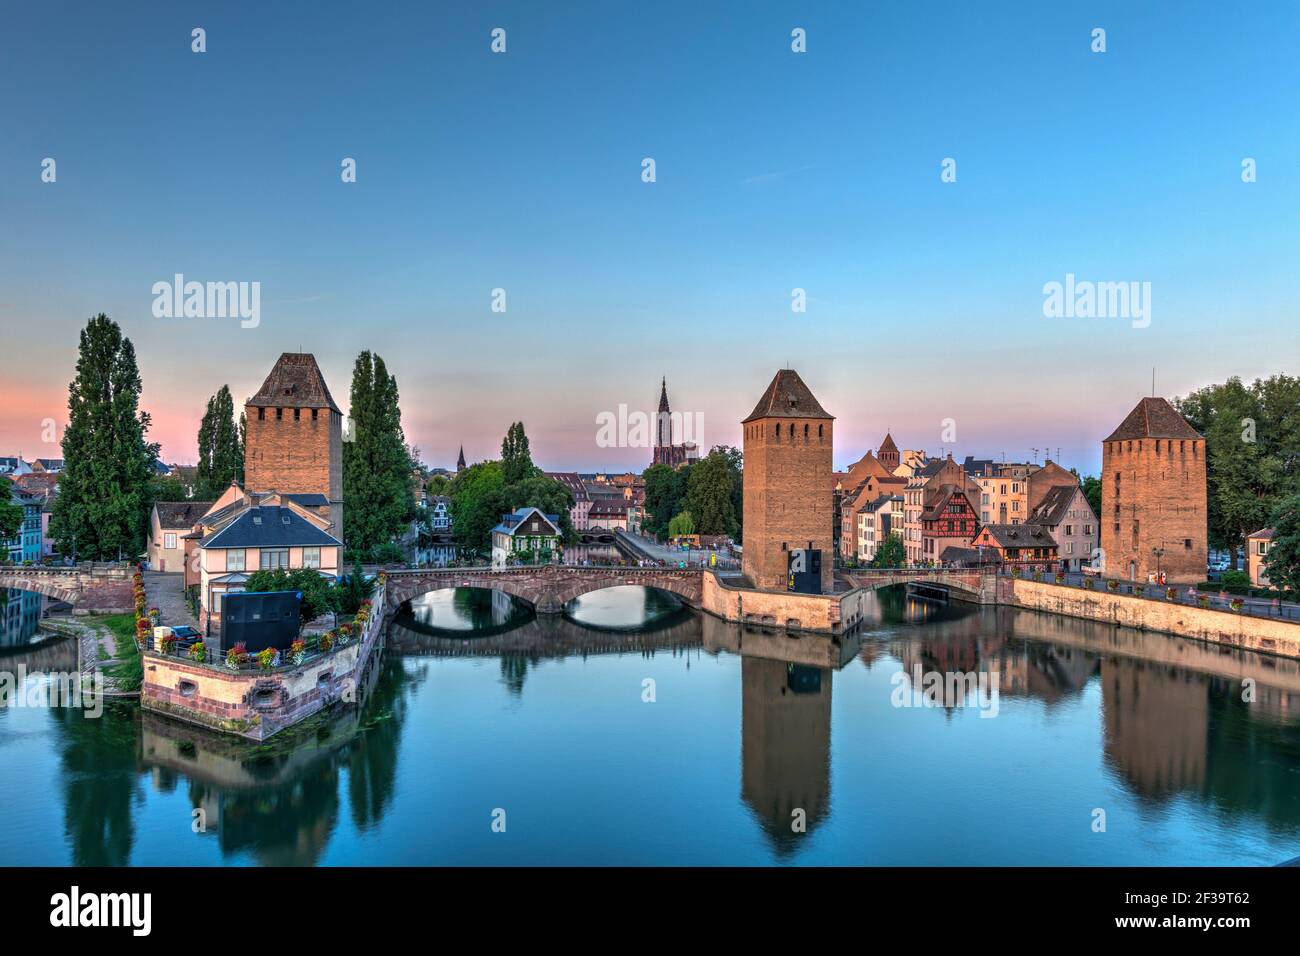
pixel 282 660
pixel 1185 595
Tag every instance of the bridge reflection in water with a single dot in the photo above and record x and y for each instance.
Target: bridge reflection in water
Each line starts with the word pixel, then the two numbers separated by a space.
pixel 1172 725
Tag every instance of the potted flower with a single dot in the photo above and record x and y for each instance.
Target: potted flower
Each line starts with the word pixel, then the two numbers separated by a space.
pixel 168 643
pixel 266 658
pixel 1203 600
pixel 1171 594
pixel 1015 572
pixel 325 641
pixel 1238 604
pixel 153 615
pixel 1089 584
pixel 298 651
pixel 237 656
pixel 197 653
pixel 1060 577
pixel 1112 585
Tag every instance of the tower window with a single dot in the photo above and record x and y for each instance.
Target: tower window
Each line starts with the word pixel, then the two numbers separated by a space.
pixel 313 413
pixel 297 414
pixel 261 414
pixel 279 414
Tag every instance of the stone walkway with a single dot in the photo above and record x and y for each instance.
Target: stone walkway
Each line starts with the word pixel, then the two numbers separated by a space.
pixel 166 592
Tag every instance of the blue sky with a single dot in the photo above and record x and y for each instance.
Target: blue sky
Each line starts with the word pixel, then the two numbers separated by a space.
pixel 775 170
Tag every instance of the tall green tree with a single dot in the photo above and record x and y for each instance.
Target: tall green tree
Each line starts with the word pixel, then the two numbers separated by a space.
pixel 11 514
pixel 1252 459
pixel 682 523
pixel 1282 563
pixel 378 489
pixel 478 499
pixel 102 509
pixel 516 459
pixel 665 496
pixel 708 495
pixel 221 448
pixel 736 464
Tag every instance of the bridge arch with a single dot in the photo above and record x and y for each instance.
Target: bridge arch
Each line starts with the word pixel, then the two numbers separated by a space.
pixel 40 585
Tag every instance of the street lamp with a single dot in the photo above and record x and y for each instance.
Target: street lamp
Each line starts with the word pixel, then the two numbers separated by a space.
pixel 1159 552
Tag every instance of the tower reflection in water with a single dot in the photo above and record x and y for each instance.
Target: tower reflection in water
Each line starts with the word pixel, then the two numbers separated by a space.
pixel 1173 723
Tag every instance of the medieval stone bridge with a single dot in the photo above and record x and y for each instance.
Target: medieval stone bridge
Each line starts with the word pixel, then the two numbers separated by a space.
pixel 546 587
pixel 89 588
pixel 977 586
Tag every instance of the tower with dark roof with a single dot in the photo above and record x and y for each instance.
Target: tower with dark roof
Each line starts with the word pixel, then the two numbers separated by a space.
pixel 1153 497
pixel 789 493
pixel 294 435
pixel 460 461
pixel 665 452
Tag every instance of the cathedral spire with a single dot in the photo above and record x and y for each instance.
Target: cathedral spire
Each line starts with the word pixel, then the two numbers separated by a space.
pixel 663 395
pixel 460 462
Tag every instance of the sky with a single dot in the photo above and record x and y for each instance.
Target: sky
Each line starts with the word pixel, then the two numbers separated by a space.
pixel 774 171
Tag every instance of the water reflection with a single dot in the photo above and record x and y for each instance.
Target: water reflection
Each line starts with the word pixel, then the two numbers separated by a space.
pixel 1213 777
pixel 20 613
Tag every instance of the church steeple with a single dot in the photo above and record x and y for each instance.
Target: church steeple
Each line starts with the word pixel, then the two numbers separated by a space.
pixel 460 462
pixel 663 395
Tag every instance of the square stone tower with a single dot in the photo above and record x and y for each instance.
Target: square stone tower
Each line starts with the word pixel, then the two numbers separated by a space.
pixel 294 437
pixel 789 491
pixel 1153 497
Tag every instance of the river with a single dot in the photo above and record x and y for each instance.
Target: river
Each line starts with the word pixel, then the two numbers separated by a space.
pixel 634 731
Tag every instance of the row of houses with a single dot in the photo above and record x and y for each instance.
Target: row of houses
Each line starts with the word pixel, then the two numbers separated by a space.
pixel 601 501
pixel 945 512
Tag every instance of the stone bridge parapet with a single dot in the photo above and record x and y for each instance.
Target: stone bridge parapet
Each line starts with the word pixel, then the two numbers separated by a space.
pixel 549 587
pixel 89 588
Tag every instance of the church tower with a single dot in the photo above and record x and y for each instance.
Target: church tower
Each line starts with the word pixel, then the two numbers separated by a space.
pixel 788 494
pixel 294 437
pixel 887 455
pixel 460 462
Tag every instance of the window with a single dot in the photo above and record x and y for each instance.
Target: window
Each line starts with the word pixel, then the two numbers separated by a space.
pixel 235 559
pixel 313 413
pixel 273 558
pixel 1187 543
pixel 297 414
pixel 261 414
pixel 279 414
pixel 311 557
pixel 169 540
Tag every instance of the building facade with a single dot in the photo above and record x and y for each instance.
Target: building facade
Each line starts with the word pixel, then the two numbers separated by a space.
pixel 1257 545
pixel 1068 518
pixel 666 452
pixel 788 443
pixel 1153 488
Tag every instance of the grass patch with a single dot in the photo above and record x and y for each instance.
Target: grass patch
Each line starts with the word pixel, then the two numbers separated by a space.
pixel 127 668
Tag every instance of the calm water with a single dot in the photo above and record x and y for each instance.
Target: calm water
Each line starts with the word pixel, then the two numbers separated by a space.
pixel 478 707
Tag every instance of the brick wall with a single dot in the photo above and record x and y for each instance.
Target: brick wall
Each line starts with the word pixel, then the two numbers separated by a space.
pixel 302 456
pixel 789 498
pixel 1161 493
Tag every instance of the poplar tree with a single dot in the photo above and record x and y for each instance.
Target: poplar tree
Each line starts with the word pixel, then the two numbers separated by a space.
pixel 102 509
pixel 516 458
pixel 378 492
pixel 221 448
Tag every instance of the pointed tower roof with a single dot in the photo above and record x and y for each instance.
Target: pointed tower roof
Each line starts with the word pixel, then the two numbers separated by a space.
pixel 788 397
pixel 460 462
pixel 887 445
pixel 663 395
pixel 295 382
pixel 1154 418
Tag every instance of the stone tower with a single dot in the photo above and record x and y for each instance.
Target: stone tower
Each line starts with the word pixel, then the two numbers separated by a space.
pixel 1153 496
pixel 788 486
pixel 460 461
pixel 294 442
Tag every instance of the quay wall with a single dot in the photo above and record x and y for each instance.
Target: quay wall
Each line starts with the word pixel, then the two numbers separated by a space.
pixel 257 704
pixel 1217 627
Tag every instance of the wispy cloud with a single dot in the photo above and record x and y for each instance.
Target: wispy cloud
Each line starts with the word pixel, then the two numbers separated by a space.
pixel 762 179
